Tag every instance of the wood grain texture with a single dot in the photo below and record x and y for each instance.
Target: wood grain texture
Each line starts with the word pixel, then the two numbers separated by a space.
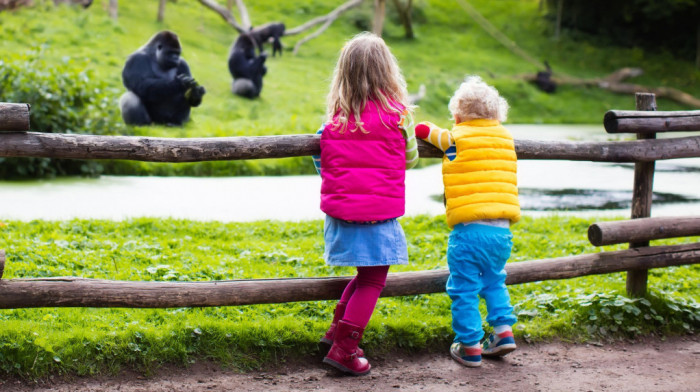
pixel 14 117
pixel 628 121
pixel 154 149
pixel 642 229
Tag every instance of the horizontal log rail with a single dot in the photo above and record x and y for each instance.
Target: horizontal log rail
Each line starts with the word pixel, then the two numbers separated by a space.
pixel 642 230
pixel 14 117
pixel 154 149
pixel 80 292
pixel 632 121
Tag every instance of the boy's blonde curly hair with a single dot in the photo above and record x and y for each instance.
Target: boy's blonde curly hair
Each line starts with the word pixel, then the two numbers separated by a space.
pixel 475 99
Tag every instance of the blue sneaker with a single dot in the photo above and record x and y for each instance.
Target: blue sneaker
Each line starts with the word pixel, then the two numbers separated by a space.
pixel 498 345
pixel 467 356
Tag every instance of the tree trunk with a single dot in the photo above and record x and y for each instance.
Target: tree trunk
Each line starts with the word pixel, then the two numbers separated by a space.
pixel 379 13
pixel 405 16
pixel 697 50
pixel 113 9
pixel 161 10
pixel 560 11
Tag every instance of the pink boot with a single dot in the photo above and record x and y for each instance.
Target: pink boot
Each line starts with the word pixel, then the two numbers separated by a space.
pixel 327 340
pixel 343 354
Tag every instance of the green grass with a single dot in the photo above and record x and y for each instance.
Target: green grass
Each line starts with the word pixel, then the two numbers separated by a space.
pixel 448 46
pixel 37 342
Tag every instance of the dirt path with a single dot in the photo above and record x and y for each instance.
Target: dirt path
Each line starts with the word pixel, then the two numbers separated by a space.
pixel 650 365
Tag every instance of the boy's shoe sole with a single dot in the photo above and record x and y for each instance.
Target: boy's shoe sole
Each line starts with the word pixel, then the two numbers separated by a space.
pixel 499 351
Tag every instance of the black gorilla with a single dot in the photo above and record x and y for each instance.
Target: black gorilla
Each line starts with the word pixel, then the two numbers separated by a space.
pixel 246 68
pixel 544 81
pixel 269 32
pixel 160 87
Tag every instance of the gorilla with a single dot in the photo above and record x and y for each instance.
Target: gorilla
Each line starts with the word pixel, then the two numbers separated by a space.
pixel 246 68
pixel 543 80
pixel 160 87
pixel 270 32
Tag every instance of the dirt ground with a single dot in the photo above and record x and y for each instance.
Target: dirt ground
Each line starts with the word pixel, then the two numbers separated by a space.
pixel 672 364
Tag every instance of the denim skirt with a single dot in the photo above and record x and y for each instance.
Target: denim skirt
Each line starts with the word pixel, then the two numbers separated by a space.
pixel 364 245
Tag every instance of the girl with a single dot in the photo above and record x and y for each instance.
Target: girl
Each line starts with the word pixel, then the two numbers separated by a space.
pixel 365 150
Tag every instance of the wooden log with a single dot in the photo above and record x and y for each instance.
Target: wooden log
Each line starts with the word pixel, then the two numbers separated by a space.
pixel 2 262
pixel 153 149
pixel 79 292
pixel 642 229
pixel 642 191
pixel 613 83
pixel 14 117
pixel 629 121
pixel 603 263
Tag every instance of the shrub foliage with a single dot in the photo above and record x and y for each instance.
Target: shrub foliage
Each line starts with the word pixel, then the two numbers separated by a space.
pixel 65 98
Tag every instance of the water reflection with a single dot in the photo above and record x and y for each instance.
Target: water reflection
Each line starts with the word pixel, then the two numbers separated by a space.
pixel 567 187
pixel 589 199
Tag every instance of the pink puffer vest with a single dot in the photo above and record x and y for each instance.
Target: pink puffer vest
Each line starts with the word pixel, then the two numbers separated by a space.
pixel 363 173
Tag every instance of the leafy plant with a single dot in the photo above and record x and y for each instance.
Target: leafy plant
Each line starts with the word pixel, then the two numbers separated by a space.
pixel 64 98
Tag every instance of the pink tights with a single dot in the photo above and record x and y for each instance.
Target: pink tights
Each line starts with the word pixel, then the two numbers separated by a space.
pixel 362 292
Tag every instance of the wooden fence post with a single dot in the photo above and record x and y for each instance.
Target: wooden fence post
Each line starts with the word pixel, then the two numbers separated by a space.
pixel 641 198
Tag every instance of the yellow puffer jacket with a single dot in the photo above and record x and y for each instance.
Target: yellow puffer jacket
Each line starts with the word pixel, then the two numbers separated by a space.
pixel 481 182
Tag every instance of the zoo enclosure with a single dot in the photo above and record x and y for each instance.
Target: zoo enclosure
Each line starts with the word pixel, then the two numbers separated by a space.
pixel 16 141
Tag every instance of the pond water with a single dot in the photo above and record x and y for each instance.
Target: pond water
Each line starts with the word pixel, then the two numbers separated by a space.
pixel 546 187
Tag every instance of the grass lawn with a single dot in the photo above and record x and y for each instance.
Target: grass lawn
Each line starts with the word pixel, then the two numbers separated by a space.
pixel 35 342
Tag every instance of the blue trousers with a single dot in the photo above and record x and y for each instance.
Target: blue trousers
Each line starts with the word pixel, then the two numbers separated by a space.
pixel 476 256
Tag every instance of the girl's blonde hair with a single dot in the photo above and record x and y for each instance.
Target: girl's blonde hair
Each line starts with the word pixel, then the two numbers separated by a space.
pixel 476 99
pixel 366 71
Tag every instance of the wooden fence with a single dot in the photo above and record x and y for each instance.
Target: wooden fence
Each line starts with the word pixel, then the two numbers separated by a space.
pixel 16 141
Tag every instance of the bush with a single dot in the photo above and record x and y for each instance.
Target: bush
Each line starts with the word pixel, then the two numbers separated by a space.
pixel 64 98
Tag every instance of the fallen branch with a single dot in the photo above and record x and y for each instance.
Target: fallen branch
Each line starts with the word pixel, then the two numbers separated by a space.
pixel 245 18
pixel 333 15
pixel 226 14
pixel 312 36
pixel 244 26
pixel 613 82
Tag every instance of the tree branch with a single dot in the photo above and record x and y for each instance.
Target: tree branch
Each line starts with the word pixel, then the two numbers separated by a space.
pixel 333 15
pixel 225 14
pixel 313 35
pixel 245 18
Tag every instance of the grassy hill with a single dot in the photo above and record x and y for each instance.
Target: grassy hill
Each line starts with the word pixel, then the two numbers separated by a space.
pixel 448 46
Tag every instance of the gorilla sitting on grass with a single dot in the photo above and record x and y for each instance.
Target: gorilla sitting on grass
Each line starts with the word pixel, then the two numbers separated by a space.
pixel 246 68
pixel 160 87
